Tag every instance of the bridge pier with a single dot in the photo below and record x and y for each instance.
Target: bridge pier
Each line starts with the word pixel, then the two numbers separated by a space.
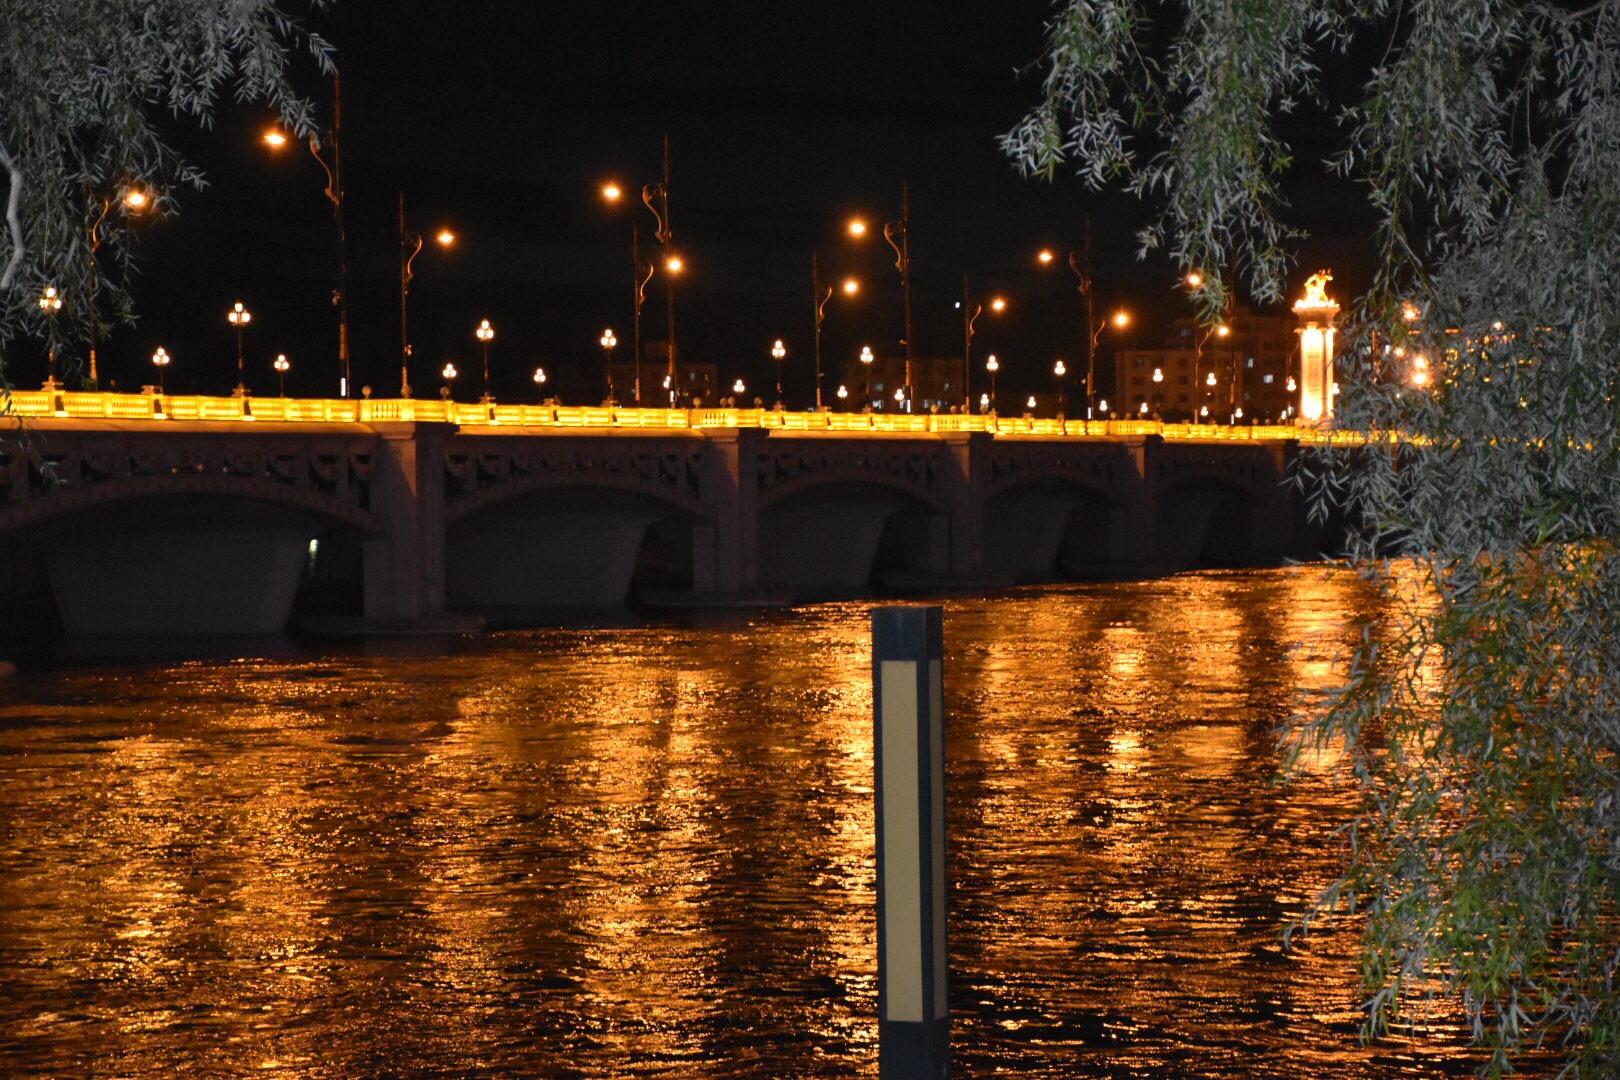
pixel 405 569
pixel 725 547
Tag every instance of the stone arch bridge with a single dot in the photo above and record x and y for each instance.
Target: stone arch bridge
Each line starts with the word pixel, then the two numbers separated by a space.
pixel 207 525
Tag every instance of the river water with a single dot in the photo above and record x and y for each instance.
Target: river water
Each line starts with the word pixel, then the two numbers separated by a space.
pixel 646 849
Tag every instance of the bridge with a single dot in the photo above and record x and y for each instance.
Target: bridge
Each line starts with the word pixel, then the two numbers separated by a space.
pixel 151 513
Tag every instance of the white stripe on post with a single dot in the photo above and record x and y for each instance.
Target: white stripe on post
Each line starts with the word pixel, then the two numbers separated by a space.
pixel 902 845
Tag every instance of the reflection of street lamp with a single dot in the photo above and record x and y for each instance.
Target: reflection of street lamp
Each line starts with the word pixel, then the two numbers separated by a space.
pixel 160 360
pixel 898 235
pixel 281 365
pixel 539 382
pixel 778 353
pixel 50 302
pixel 239 317
pixel 1058 371
pixel 992 365
pixel 971 310
pixel 485 334
pixel 866 365
pixel 410 245
pixel 334 193
pixel 607 341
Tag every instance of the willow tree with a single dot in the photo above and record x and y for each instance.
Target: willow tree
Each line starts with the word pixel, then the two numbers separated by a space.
pixel 1482 717
pixel 86 90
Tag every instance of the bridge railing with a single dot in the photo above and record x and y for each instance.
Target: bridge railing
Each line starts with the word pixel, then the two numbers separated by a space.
pixel 488 414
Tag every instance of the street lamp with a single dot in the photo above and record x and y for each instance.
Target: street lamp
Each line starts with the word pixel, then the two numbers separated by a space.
pixel 778 353
pixel 50 302
pixel 738 387
pixel 821 293
pixel 656 198
pixel 898 235
pixel 160 360
pixel 485 334
pixel 992 365
pixel 450 374
pixel 539 382
pixel 410 246
pixel 334 193
pixel 866 365
pixel 1080 262
pixel 134 200
pixel 971 310
pixel 607 341
pixel 239 317
pixel 1058 371
pixel 281 365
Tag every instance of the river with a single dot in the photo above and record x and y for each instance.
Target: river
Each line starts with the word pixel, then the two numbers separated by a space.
pixel 645 849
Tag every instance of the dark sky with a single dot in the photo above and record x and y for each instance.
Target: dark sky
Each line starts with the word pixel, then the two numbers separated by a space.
pixel 501 119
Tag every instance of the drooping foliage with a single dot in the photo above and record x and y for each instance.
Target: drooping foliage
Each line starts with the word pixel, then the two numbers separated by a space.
pixel 85 91
pixel 1483 365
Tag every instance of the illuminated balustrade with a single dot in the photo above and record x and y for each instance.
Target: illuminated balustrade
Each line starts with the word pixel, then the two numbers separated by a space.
pixel 162 408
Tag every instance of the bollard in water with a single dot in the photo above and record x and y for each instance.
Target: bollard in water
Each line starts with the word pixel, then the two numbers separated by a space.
pixel 908 702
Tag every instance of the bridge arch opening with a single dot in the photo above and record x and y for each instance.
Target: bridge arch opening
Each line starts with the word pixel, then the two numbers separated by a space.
pixel 845 537
pixel 1054 529
pixel 565 548
pixel 172 564
pixel 1207 523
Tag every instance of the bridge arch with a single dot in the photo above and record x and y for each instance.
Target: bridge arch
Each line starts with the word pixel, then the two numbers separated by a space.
pixel 843 532
pixel 1210 519
pixel 1048 523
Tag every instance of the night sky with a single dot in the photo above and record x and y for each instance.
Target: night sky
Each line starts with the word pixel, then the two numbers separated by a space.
pixel 501 120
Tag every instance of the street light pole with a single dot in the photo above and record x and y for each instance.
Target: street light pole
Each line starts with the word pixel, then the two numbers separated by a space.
pixel 902 252
pixel 778 353
pixel 992 365
pixel 485 334
pixel 607 341
pixel 410 246
pixel 666 237
pixel 971 311
pixel 239 317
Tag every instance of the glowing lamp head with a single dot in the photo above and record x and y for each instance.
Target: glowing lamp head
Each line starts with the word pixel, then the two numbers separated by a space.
pixel 607 340
pixel 674 264
pixel 866 354
pixel 1158 374
pixel 1121 319
pixel 239 316
pixel 998 304
pixel 161 357
pixel 137 200
pixel 1142 408
pixel 778 350
pixel 281 364
pixel 444 238
pixel 275 139
pixel 539 376
pixel 857 227
pixel 843 391
pixel 1059 369
pixel 50 302
pixel 612 192
pixel 851 286
pixel 1223 331
pixel 1209 380
pixel 1194 279
pixel 991 364
pixel 1045 256
pixel 739 387
pixel 449 372
pixel 485 332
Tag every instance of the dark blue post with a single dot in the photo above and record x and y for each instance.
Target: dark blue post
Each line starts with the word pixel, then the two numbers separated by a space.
pixel 908 701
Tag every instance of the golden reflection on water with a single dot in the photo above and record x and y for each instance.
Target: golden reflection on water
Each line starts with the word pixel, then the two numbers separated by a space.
pixel 648 850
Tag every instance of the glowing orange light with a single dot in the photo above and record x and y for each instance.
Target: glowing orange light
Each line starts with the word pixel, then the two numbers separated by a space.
pixel 1222 331
pixel 1045 256
pixel 998 304
pixel 857 227
pixel 136 199
pixel 1194 279
pixel 611 191
pixel 275 138
pixel 1122 319
pixel 851 286
pixel 445 238
pixel 674 264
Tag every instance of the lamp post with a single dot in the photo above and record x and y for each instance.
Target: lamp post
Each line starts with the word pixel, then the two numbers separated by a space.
pixel 778 353
pixel 334 194
pixel 134 200
pixel 161 361
pixel 410 246
pixel 821 293
pixel 1058 371
pixel 239 317
pixel 50 302
pixel 866 365
pixel 450 374
pixel 281 365
pixel 485 334
pixel 898 235
pixel 992 365
pixel 656 198
pixel 607 341
pixel 971 311
pixel 539 383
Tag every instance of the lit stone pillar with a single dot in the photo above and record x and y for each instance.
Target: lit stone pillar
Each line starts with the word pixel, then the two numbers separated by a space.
pixel 404 572
pixel 1316 314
